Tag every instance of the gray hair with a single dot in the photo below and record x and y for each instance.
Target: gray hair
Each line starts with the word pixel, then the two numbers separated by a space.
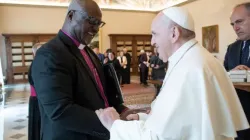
pixel 36 47
pixel 246 5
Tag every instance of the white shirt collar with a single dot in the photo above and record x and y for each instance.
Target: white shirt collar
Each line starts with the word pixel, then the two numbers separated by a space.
pixel 176 56
pixel 81 46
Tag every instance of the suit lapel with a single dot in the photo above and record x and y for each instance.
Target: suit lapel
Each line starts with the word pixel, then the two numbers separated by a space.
pixel 96 63
pixel 238 52
pixel 76 52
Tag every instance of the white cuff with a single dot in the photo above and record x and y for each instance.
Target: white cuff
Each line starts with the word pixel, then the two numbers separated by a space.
pixel 143 116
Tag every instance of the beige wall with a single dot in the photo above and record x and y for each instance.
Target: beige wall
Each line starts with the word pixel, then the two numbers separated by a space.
pixel 125 23
pixel 26 19
pixel 211 12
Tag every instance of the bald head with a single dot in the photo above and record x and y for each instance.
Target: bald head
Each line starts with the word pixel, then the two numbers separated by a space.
pixel 77 5
pixel 83 20
pixel 88 6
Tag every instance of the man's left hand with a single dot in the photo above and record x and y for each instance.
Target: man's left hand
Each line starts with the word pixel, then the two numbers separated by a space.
pixel 125 114
pixel 107 116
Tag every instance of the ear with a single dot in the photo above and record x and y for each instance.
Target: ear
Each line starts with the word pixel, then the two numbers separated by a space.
pixel 175 34
pixel 70 15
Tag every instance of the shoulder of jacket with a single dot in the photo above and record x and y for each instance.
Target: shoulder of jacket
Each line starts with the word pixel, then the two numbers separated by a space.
pixel 235 44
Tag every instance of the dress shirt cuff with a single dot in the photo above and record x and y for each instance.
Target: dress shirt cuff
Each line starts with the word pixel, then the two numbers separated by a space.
pixel 125 130
pixel 143 116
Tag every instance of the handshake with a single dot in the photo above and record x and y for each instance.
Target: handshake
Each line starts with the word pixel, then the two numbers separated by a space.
pixel 109 115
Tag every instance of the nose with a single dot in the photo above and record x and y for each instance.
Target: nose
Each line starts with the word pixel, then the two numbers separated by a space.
pixel 236 28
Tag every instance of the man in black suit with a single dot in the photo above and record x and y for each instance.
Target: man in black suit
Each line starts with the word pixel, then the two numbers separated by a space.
pixel 127 69
pixel 144 68
pixel 69 80
pixel 158 69
pixel 237 56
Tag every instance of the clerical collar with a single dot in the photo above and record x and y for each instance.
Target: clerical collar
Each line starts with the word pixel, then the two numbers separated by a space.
pixel 176 56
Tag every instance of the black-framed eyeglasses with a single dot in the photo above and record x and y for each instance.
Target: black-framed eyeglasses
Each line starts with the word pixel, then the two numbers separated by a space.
pixel 92 20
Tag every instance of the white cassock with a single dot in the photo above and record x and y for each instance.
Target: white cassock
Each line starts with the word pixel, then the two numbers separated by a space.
pixel 197 102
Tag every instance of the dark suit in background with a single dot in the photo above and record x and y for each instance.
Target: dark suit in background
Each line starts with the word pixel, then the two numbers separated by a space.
pixel 101 57
pixel 67 92
pixel 157 74
pixel 127 70
pixel 233 59
pixel 143 69
pixel 117 67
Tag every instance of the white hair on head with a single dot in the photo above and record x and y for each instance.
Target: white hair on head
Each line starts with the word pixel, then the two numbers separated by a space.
pixel 142 51
pixel 36 47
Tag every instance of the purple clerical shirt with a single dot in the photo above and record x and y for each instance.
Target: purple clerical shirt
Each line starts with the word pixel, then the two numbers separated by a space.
pixel 92 68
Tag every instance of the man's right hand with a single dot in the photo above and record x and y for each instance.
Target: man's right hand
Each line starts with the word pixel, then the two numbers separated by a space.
pixel 132 117
pixel 241 67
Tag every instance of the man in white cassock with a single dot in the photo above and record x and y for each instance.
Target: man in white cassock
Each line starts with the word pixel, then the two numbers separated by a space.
pixel 197 100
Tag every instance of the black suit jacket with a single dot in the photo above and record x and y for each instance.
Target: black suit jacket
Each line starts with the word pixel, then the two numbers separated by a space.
pixel 232 59
pixel 128 60
pixel 116 64
pixel 158 73
pixel 233 55
pixel 143 58
pixel 67 92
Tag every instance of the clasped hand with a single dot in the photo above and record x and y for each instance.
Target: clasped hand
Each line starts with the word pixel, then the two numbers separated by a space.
pixel 109 115
pixel 241 67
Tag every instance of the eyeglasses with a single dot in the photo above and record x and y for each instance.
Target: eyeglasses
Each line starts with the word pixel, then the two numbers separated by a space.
pixel 92 20
pixel 96 22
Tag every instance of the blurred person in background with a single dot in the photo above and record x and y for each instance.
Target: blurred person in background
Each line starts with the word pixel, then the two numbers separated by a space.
pixel 95 47
pixel 123 64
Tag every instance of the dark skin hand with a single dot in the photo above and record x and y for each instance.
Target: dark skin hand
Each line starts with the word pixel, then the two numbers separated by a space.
pixel 132 112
